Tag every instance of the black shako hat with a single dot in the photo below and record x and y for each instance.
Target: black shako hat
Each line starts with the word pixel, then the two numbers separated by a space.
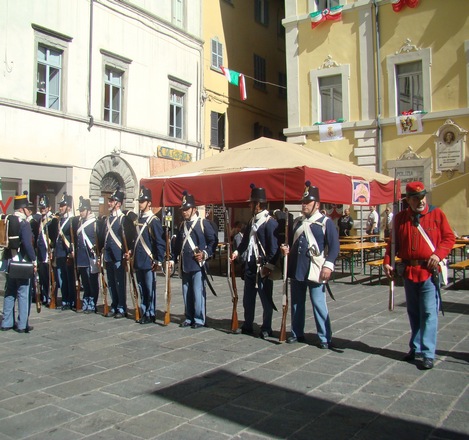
pixel 22 201
pixel 257 194
pixel 84 204
pixel 144 195
pixel 188 201
pixel 66 200
pixel 310 193
pixel 43 201
pixel 117 195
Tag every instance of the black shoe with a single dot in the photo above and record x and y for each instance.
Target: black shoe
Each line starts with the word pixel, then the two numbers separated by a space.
pixel 246 332
pixel 264 334
pixel 427 363
pixel 119 315
pixel 145 320
pixel 409 357
pixel 110 315
pixel 28 329
pixel 66 307
pixel 185 324
pixel 293 339
pixel 5 329
pixel 197 325
pixel 323 345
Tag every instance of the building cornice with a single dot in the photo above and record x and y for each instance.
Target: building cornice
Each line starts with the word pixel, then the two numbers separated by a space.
pixel 371 123
pixel 101 124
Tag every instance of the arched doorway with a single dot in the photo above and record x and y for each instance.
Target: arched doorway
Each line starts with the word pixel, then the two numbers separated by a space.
pixel 109 173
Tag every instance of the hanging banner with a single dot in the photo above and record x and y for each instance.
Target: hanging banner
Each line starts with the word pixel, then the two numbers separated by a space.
pixel 409 124
pixel 330 132
pixel 360 192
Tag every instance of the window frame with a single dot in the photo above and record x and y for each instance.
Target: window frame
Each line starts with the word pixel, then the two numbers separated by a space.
pixel 217 130
pixel 332 88
pixel 409 78
pixel 260 73
pixel 58 42
pixel 183 112
pixel 218 54
pixel 119 64
pixel 178 7
pixel 314 75
pixel 261 12
pixel 423 55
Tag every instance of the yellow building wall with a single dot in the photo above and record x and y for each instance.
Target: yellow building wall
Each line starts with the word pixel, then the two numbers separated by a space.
pixel 235 27
pixel 441 26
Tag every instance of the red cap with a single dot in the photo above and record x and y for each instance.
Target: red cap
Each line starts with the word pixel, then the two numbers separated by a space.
pixel 415 189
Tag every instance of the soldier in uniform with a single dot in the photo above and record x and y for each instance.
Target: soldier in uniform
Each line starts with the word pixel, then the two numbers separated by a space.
pixel 20 248
pixel 113 252
pixel 193 246
pixel 423 238
pixel 86 255
pixel 148 253
pixel 63 252
pixel 43 219
pixel 314 243
pixel 261 243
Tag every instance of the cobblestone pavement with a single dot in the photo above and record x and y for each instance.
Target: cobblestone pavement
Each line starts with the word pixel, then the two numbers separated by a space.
pixel 79 376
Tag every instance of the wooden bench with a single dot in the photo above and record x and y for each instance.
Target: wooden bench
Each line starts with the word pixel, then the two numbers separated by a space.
pixel 460 266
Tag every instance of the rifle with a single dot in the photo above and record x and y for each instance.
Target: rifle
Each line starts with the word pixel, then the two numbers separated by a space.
pixel 130 270
pixel 38 292
pixel 103 278
pixel 78 305
pixel 230 273
pixel 52 297
pixel 393 248
pixel 167 293
pixel 283 326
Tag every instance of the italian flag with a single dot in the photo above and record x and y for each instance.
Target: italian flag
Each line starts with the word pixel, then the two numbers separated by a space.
pixel 333 14
pixel 237 79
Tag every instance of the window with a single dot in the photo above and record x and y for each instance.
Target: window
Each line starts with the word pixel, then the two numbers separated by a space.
pixel 113 96
pixel 409 86
pixel 51 60
pixel 176 113
pixel 261 11
pixel 178 13
pixel 259 73
pixel 116 72
pixel 282 81
pixel 49 77
pixel 217 54
pixel 325 4
pixel 217 130
pixel 330 92
pixel 409 79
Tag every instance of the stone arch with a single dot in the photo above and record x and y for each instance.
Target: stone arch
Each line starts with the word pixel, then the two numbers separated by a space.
pixel 108 173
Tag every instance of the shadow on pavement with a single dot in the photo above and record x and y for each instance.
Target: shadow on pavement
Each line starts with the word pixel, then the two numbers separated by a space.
pixel 232 403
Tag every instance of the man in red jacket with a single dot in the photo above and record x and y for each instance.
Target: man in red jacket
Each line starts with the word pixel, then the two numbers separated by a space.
pixel 423 238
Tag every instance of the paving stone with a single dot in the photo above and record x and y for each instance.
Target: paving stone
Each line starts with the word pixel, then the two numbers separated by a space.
pixel 150 425
pixel 121 380
pixel 39 420
pixel 94 422
pixel 25 402
pixel 194 433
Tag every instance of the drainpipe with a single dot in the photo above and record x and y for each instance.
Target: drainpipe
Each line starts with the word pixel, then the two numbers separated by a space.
pixel 378 90
pixel 90 61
